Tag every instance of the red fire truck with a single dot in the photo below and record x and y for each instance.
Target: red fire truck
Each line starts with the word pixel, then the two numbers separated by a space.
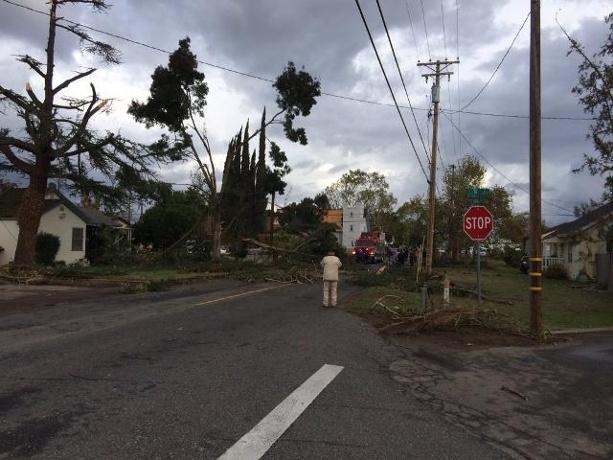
pixel 370 247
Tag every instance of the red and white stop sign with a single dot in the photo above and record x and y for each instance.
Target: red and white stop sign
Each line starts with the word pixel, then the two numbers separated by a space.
pixel 478 223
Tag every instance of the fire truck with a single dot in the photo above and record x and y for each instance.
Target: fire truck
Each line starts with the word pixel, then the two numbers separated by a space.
pixel 370 247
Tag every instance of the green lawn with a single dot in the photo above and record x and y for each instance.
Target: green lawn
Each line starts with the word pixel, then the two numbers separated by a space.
pixel 130 273
pixel 566 304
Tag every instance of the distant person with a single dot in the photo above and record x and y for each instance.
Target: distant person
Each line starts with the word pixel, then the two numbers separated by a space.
pixel 402 256
pixel 330 264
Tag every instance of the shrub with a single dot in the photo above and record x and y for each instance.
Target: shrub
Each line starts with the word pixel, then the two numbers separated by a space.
pixel 47 246
pixel 323 240
pixel 238 249
pixel 556 272
pixel 512 257
pixel 106 246
pixel 200 250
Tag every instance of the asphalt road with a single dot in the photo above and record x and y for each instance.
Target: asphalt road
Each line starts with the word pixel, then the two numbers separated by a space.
pixel 187 373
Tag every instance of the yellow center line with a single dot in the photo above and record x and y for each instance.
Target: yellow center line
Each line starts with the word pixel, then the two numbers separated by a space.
pixel 240 294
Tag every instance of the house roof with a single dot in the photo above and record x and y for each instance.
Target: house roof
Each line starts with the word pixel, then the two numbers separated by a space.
pixel 11 198
pixel 568 228
pixel 96 217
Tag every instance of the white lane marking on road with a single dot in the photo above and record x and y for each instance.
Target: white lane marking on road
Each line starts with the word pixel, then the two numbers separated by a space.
pixel 256 443
pixel 240 294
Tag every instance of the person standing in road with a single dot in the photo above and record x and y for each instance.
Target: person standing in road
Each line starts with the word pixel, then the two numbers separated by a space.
pixel 330 264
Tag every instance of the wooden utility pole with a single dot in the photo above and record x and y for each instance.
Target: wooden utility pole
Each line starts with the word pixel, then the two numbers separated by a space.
pixel 438 68
pixel 272 226
pixel 536 258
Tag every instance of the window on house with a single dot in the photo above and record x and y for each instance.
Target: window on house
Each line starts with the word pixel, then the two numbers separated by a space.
pixel 570 253
pixel 351 228
pixel 351 214
pixel 77 238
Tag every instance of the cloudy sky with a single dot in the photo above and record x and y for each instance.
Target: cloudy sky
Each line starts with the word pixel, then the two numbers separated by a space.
pixel 328 38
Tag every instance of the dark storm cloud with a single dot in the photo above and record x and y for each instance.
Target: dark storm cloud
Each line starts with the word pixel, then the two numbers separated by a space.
pixel 327 37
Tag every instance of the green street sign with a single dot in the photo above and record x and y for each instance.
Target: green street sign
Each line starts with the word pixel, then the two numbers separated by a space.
pixel 477 195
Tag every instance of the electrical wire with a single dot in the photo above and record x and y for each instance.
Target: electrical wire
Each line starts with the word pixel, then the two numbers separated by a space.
pixel 412 29
pixel 457 28
pixel 453 137
pixel 423 14
pixel 444 32
pixel 457 44
pixel 509 115
pixel 270 80
pixel 476 96
pixel 453 134
pixel 372 42
pixel 389 39
pixel 514 184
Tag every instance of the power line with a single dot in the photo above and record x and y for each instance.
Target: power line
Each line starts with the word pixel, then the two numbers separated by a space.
pixel 514 184
pixel 457 44
pixel 412 29
pixel 453 135
pixel 444 32
pixel 438 148
pixel 270 80
pixel 423 15
pixel 457 28
pixel 389 39
pixel 510 115
pixel 372 42
pixel 499 64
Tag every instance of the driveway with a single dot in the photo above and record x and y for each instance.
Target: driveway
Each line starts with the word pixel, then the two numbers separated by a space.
pixel 545 402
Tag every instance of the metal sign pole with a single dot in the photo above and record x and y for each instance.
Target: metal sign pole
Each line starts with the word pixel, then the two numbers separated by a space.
pixel 479 273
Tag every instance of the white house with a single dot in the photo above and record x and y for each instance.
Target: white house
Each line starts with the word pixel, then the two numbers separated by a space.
pixel 354 223
pixel 61 217
pixel 577 244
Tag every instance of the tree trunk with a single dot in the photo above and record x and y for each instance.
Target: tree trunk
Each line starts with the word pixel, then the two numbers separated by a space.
pixel 28 219
pixel 216 232
pixel 454 246
pixel 33 200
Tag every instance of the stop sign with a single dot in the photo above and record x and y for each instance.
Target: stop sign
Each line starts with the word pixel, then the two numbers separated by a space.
pixel 478 223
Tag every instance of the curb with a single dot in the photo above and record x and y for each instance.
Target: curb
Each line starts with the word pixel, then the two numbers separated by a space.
pixel 592 330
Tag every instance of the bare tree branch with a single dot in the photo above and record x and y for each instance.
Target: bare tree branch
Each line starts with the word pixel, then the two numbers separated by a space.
pixel 80 75
pixel 14 159
pixel 33 63
pixel 14 97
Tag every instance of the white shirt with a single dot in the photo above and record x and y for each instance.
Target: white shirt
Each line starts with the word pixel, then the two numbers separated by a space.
pixel 331 264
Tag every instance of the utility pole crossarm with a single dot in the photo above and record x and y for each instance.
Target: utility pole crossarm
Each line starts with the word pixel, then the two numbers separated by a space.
pixel 436 74
pixel 434 63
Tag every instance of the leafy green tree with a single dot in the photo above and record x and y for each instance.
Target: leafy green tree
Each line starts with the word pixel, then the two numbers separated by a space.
pixel 411 220
pixel 301 217
pixel 323 240
pixel 322 202
pixel 458 179
pixel 584 209
pixel 177 100
pixel 173 218
pixel 515 227
pixel 595 91
pixel 248 183
pixel 56 140
pixel 370 189
pixel 467 173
